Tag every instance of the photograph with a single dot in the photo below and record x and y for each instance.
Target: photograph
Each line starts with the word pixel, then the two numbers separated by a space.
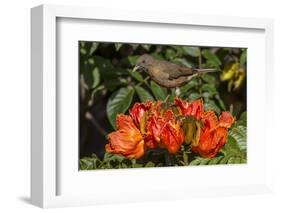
pixel 161 105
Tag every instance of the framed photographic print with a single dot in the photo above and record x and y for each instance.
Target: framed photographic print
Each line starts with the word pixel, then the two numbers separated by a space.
pixel 148 106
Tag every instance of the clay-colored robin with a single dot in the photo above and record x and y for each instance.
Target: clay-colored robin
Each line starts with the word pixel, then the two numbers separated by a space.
pixel 165 73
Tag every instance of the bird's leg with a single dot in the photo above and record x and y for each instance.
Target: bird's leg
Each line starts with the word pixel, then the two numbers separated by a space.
pixel 178 91
pixel 166 99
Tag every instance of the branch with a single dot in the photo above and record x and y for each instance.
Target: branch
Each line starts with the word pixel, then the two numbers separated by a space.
pixel 91 118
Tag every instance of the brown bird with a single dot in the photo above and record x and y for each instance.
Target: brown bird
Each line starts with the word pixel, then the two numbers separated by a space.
pixel 165 73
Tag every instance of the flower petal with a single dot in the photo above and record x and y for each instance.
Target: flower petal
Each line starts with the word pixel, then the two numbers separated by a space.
pixel 211 142
pixel 172 138
pixel 226 120
pixel 127 140
pixel 138 111
pixel 194 108
pixel 210 120
pixel 164 131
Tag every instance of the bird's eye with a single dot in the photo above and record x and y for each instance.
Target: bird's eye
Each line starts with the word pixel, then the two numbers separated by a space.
pixel 143 61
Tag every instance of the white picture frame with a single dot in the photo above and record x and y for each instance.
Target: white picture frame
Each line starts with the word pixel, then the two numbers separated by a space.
pixel 46 161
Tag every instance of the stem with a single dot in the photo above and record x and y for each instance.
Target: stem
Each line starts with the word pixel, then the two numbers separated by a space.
pixel 168 159
pixel 166 99
pixel 231 109
pixel 144 81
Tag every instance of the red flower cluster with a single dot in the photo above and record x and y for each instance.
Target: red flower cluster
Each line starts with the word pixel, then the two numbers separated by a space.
pixel 213 133
pixel 153 124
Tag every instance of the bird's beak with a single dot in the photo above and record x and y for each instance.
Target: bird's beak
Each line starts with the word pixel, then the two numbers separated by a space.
pixel 137 67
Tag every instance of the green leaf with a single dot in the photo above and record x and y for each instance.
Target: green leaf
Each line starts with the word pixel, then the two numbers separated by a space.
pixel 160 93
pixel 112 73
pixel 106 69
pixel 143 94
pixel 243 58
pixel 211 106
pixel 217 160
pixel 91 75
pixel 234 160
pixel 172 95
pixel 134 46
pixel 170 54
pixel 212 59
pixel 192 51
pixel 182 61
pixel 204 161
pixel 118 46
pixel 208 78
pixel 85 47
pixel 239 134
pixel 137 165
pixel 149 164
pixel 199 161
pixel 102 63
pixel 231 148
pixel 88 163
pixel 225 159
pixel 194 96
pixel 189 85
pixel 94 47
pixel 136 75
pixel 109 156
pixel 220 101
pixel 146 46
pixel 119 102
pixel 130 60
pixel 242 120
pixel 113 84
pixel 207 96
pixel 211 88
pixel 195 162
pixel 236 145
pixel 94 92
pixel 96 78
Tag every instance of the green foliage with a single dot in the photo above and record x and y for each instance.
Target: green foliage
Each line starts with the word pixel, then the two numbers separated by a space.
pixel 212 59
pixel 143 94
pixel 111 161
pixel 243 57
pixel 160 93
pixel 119 102
pixel 192 51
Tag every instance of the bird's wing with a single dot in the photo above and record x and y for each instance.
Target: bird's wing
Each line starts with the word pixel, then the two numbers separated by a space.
pixel 180 71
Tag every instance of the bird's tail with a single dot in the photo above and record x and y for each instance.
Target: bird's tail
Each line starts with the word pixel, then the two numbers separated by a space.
pixel 205 70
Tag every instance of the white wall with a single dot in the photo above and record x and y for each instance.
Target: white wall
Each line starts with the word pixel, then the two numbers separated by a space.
pixel 15 104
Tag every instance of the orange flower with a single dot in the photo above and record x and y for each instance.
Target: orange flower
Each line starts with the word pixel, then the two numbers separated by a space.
pixel 137 112
pixel 165 132
pixel 214 133
pixel 226 120
pixel 127 140
pixel 194 108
